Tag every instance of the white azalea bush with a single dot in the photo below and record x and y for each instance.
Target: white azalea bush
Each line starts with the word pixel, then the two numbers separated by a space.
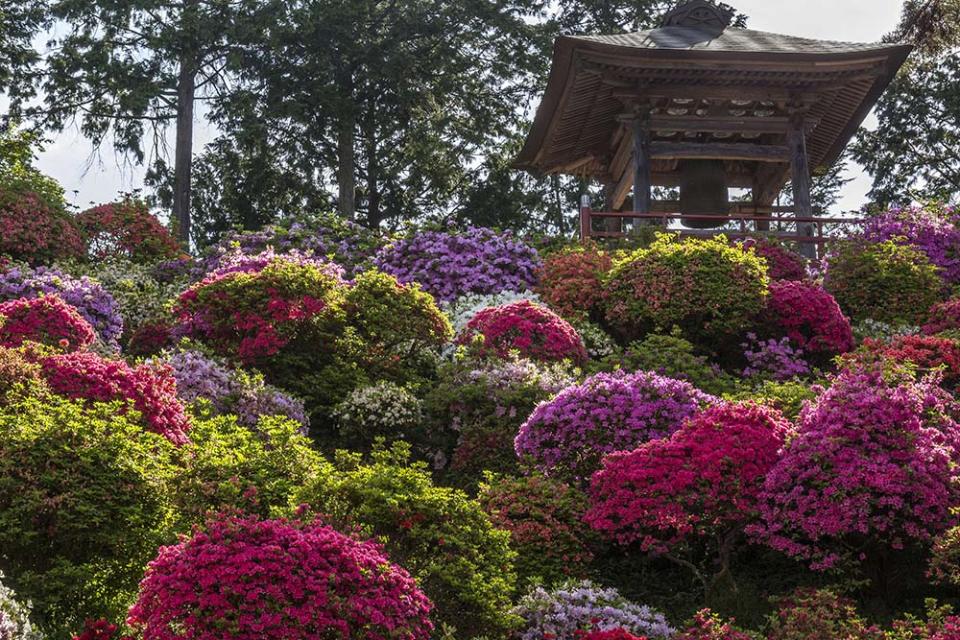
pixel 382 410
pixel 15 617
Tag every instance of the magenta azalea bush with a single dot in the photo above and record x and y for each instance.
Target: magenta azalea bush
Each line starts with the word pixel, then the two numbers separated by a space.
pixel 567 436
pixel 277 579
pixel 874 465
pixel 809 316
pixel 932 229
pixel 47 320
pixel 782 263
pixel 450 264
pixel 530 330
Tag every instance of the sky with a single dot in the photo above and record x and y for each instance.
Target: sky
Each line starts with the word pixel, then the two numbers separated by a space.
pixel 95 178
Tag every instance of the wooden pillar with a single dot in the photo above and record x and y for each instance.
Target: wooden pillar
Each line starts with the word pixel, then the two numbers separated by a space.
pixel 801 182
pixel 642 198
pixel 610 224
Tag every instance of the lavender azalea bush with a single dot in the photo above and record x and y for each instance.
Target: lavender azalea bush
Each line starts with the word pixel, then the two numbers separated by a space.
pixel 566 612
pixel 932 230
pixel 452 264
pixel 773 359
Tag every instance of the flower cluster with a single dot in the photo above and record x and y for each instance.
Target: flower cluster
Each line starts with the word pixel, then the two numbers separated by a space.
pixel 809 316
pixel 277 579
pixel 33 231
pixel 463 309
pixel 706 625
pixel 528 329
pixel 382 410
pixel 773 359
pixel 15 617
pixel 944 316
pixel 570 281
pixel 47 320
pixel 567 436
pixel 924 353
pixel 230 390
pixel 932 229
pixel 127 230
pixel 563 613
pixel 700 483
pixel 100 630
pixel 782 263
pixel 151 389
pixel 93 302
pixel 874 460
pixel 449 264
pixel 612 634
pixel 598 343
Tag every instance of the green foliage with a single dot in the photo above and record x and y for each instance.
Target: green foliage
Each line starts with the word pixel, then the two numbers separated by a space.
pixel 83 507
pixel 439 534
pixel 18 175
pixel 787 396
pixel 883 281
pixel 708 288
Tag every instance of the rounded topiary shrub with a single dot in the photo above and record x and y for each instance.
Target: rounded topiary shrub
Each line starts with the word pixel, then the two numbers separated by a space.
pixel 545 521
pixel 782 263
pixel 126 230
pixel 47 320
pixel 84 504
pixel 567 436
pixel 706 287
pixel 882 281
pixel 445 540
pixel 810 317
pixel 36 231
pixel 571 281
pixel 277 579
pixel 527 329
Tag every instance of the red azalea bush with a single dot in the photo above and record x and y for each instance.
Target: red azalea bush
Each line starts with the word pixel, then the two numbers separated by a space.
pixel 47 320
pixel 707 625
pixel 533 331
pixel 150 338
pixel 150 388
pixel 702 483
pixel 250 579
pixel 126 230
pixel 944 316
pixel 809 316
pixel 926 353
pixel 874 465
pixel 782 263
pixel 34 231
pixel 570 281
pixel 99 630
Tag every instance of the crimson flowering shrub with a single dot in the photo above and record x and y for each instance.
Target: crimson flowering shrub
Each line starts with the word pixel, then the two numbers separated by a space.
pixel 33 231
pixel 545 521
pixel 567 436
pixel 874 465
pixel 925 353
pixel 150 338
pixel 943 316
pixel 571 281
pixel 782 263
pixel 450 264
pixel 150 389
pixel 706 287
pixel 100 630
pixel 706 625
pixel 699 486
pixel 529 329
pixel 127 230
pixel 932 229
pixel 613 634
pixel 809 316
pixel 47 320
pixel 277 579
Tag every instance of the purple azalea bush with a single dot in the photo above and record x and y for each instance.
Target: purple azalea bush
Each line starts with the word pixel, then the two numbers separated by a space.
pixel 773 359
pixel 568 436
pixel 94 303
pixel 451 264
pixel 934 231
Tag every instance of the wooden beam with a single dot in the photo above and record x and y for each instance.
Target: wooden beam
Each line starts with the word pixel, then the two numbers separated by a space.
pixel 708 92
pixel 801 180
pixel 720 151
pixel 642 187
pixel 722 124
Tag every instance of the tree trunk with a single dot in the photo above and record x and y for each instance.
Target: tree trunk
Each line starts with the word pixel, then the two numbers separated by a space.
pixel 346 178
pixel 183 153
pixel 374 216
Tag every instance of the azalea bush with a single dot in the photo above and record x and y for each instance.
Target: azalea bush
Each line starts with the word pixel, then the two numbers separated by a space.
pixel 277 579
pixel 383 410
pixel 567 611
pixel 819 613
pixel 128 230
pixel 773 359
pixel 571 281
pixel 35 230
pixel 19 376
pixel 462 310
pixel 530 330
pixel 445 540
pixel 787 396
pixel 882 281
pixel 923 353
pixel 15 617
pixel 47 320
pixel 873 466
pixel 810 317
pixel 450 264
pixel 706 287
pixel 545 521
pixel 782 263
pixel 931 229
pixel 943 316
pixel 567 436
pixel 706 625
pixel 83 506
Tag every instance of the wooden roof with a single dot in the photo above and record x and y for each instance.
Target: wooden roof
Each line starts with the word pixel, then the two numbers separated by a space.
pixel 727 91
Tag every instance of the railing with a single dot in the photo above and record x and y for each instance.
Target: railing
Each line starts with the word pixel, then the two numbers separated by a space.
pixel 744 221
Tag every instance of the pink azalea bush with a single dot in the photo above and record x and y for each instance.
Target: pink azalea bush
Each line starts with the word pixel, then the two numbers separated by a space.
pixel 924 353
pixel 943 316
pixel 250 579
pixel 706 625
pixel 809 316
pixel 34 231
pixel 571 281
pixel 567 436
pixel 874 464
pixel 128 230
pixel 47 320
pixel 151 389
pixel 782 263
pixel 531 330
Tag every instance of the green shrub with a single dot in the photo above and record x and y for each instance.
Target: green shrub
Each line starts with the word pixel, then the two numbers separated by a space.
pixel 84 505
pixel 884 281
pixel 441 536
pixel 706 287
pixel 787 396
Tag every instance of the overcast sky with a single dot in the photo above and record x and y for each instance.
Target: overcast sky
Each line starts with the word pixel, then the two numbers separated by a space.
pixel 89 179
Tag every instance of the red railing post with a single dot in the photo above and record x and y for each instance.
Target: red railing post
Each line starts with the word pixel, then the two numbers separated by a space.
pixel 584 218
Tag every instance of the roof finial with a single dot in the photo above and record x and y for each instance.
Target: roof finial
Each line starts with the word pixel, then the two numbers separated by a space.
pixel 701 14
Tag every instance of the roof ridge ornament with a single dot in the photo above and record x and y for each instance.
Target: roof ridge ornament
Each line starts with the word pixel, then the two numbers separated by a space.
pixel 700 14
